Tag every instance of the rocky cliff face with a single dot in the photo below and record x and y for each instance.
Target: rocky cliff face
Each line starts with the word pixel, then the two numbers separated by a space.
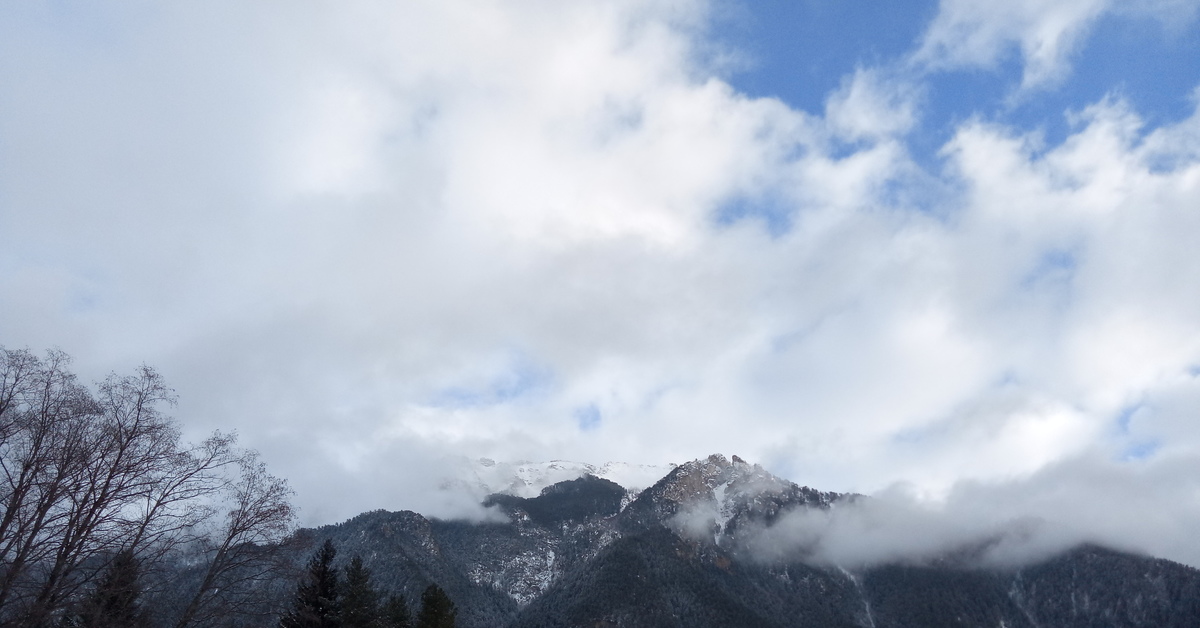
pixel 586 552
pixel 716 498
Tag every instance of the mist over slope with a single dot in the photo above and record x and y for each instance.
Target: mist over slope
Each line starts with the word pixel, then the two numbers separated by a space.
pixel 719 542
pixel 1009 523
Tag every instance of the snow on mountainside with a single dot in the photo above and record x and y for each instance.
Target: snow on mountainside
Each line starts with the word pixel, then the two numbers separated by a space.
pixel 715 497
pixel 689 550
pixel 528 479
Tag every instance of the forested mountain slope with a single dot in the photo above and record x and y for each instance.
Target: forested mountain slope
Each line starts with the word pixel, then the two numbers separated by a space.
pixel 676 556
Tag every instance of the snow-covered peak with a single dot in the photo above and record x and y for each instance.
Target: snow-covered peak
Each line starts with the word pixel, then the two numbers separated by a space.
pixel 711 498
pixel 528 479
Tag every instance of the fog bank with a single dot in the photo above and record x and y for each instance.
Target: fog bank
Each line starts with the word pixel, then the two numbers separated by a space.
pixel 1150 508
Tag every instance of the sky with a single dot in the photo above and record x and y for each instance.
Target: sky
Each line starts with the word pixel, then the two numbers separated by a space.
pixel 942 247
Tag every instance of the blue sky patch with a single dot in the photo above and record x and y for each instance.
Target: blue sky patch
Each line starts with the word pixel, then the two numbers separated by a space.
pixel 1135 448
pixel 1137 59
pixel 588 417
pixel 801 49
pixel 1125 416
pixel 1141 450
pixel 1056 266
pixel 775 212
pixel 520 379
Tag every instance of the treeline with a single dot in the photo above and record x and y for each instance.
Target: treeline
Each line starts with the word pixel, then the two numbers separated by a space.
pixel 324 599
pixel 110 519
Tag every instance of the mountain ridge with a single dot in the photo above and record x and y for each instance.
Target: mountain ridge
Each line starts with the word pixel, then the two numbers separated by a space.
pixel 524 478
pixel 582 553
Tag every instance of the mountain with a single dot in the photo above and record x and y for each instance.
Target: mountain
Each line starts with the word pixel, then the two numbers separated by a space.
pixel 586 552
pixel 528 479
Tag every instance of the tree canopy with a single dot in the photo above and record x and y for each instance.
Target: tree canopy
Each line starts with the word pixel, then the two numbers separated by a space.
pixel 437 611
pixel 316 603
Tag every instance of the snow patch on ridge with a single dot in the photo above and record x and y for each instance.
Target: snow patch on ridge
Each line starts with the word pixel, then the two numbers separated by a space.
pixel 725 509
pixel 528 479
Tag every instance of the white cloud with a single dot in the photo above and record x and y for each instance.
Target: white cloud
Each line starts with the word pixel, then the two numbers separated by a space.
pixel 870 104
pixel 374 237
pixel 1045 34
pixel 1140 508
pixel 979 34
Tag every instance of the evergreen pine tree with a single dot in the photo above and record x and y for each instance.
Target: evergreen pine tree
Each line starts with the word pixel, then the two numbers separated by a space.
pixel 360 601
pixel 114 601
pixel 316 601
pixel 394 613
pixel 437 611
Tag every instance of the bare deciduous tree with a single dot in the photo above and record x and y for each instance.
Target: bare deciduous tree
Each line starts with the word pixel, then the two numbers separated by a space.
pixel 85 477
pixel 43 457
pixel 241 554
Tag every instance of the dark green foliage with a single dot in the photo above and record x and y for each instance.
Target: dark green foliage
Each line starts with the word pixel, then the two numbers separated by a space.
pixel 409 552
pixel 574 500
pixel 940 596
pixel 360 601
pixel 1085 588
pixel 114 601
pixel 638 581
pixel 394 613
pixel 437 611
pixel 655 579
pixel 316 602
pixel 1095 586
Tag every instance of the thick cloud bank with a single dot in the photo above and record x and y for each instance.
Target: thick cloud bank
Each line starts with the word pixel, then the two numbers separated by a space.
pixel 376 236
pixel 999 525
